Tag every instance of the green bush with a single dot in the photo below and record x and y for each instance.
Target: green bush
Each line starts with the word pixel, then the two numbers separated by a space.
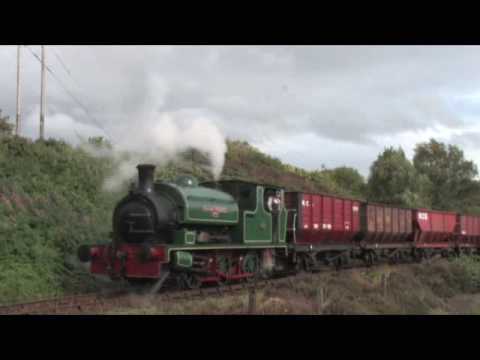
pixel 468 272
pixel 50 202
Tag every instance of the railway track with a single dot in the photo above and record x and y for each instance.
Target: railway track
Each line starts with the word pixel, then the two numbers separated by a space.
pixel 97 303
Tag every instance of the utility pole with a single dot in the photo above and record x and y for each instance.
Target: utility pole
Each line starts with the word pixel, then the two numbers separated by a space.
pixel 17 123
pixel 43 101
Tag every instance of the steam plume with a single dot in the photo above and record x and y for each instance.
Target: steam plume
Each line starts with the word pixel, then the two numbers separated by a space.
pixel 157 137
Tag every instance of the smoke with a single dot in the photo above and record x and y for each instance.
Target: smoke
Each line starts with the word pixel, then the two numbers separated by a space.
pixel 158 137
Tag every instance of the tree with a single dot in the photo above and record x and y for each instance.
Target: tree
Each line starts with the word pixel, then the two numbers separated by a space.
pixel 323 181
pixel 100 142
pixel 393 180
pixel 348 179
pixel 452 177
pixel 6 129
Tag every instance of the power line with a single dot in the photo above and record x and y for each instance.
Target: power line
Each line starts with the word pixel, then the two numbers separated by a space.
pixel 78 102
pixel 67 70
pixel 61 62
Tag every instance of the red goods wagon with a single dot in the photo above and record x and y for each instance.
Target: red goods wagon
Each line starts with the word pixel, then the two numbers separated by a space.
pixel 468 230
pixel 322 219
pixel 383 225
pixel 434 228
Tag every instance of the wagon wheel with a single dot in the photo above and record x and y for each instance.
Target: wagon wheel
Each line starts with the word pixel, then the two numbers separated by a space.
pixel 340 262
pixel 368 258
pixel 309 264
pixel 300 266
pixel 419 255
pixel 394 258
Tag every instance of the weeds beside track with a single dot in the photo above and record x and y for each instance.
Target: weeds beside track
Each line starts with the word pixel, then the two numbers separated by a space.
pixel 98 303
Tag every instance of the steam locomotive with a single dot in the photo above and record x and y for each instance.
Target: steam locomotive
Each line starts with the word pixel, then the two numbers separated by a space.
pixel 217 232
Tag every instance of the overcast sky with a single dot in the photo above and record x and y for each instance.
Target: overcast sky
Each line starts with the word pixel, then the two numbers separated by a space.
pixel 307 105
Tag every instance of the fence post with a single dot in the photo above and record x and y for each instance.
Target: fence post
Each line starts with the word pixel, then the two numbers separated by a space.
pixel 384 283
pixel 318 300
pixel 252 301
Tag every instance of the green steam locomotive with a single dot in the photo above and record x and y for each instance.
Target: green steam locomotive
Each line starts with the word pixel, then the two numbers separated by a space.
pixel 193 233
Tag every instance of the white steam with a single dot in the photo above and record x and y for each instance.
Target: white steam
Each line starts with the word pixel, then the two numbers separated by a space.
pixel 161 141
pixel 158 137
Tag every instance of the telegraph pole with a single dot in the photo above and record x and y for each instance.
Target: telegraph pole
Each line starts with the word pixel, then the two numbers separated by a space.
pixel 43 102
pixel 17 123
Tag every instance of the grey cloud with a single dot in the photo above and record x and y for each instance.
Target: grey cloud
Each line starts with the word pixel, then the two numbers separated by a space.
pixel 348 94
pixel 467 139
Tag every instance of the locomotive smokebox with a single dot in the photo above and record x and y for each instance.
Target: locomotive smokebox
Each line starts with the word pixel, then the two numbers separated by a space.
pixel 145 177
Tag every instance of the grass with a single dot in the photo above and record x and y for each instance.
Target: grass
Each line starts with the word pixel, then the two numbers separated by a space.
pixel 50 202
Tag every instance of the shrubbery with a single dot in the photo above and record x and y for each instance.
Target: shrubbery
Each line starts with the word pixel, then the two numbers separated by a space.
pixel 50 202
pixel 468 268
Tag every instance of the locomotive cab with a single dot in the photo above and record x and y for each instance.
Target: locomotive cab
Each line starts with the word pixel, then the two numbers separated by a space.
pixel 260 222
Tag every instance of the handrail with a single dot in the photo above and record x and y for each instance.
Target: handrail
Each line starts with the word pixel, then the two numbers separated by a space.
pixel 294 228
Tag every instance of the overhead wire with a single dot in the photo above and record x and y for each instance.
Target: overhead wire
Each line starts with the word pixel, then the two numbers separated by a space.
pixel 74 98
pixel 65 67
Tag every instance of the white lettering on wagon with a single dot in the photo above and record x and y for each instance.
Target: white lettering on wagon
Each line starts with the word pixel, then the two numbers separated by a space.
pixel 422 216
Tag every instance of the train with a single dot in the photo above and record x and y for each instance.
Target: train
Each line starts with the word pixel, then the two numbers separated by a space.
pixel 193 234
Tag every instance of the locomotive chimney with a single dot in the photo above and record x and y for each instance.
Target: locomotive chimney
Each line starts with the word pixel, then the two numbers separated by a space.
pixel 145 177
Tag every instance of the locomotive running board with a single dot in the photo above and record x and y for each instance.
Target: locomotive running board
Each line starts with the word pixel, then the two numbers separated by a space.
pixel 386 246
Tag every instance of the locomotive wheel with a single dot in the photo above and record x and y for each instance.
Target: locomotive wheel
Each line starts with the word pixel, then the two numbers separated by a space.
pixel 189 281
pixel 251 264
pixel 224 265
pixel 300 266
